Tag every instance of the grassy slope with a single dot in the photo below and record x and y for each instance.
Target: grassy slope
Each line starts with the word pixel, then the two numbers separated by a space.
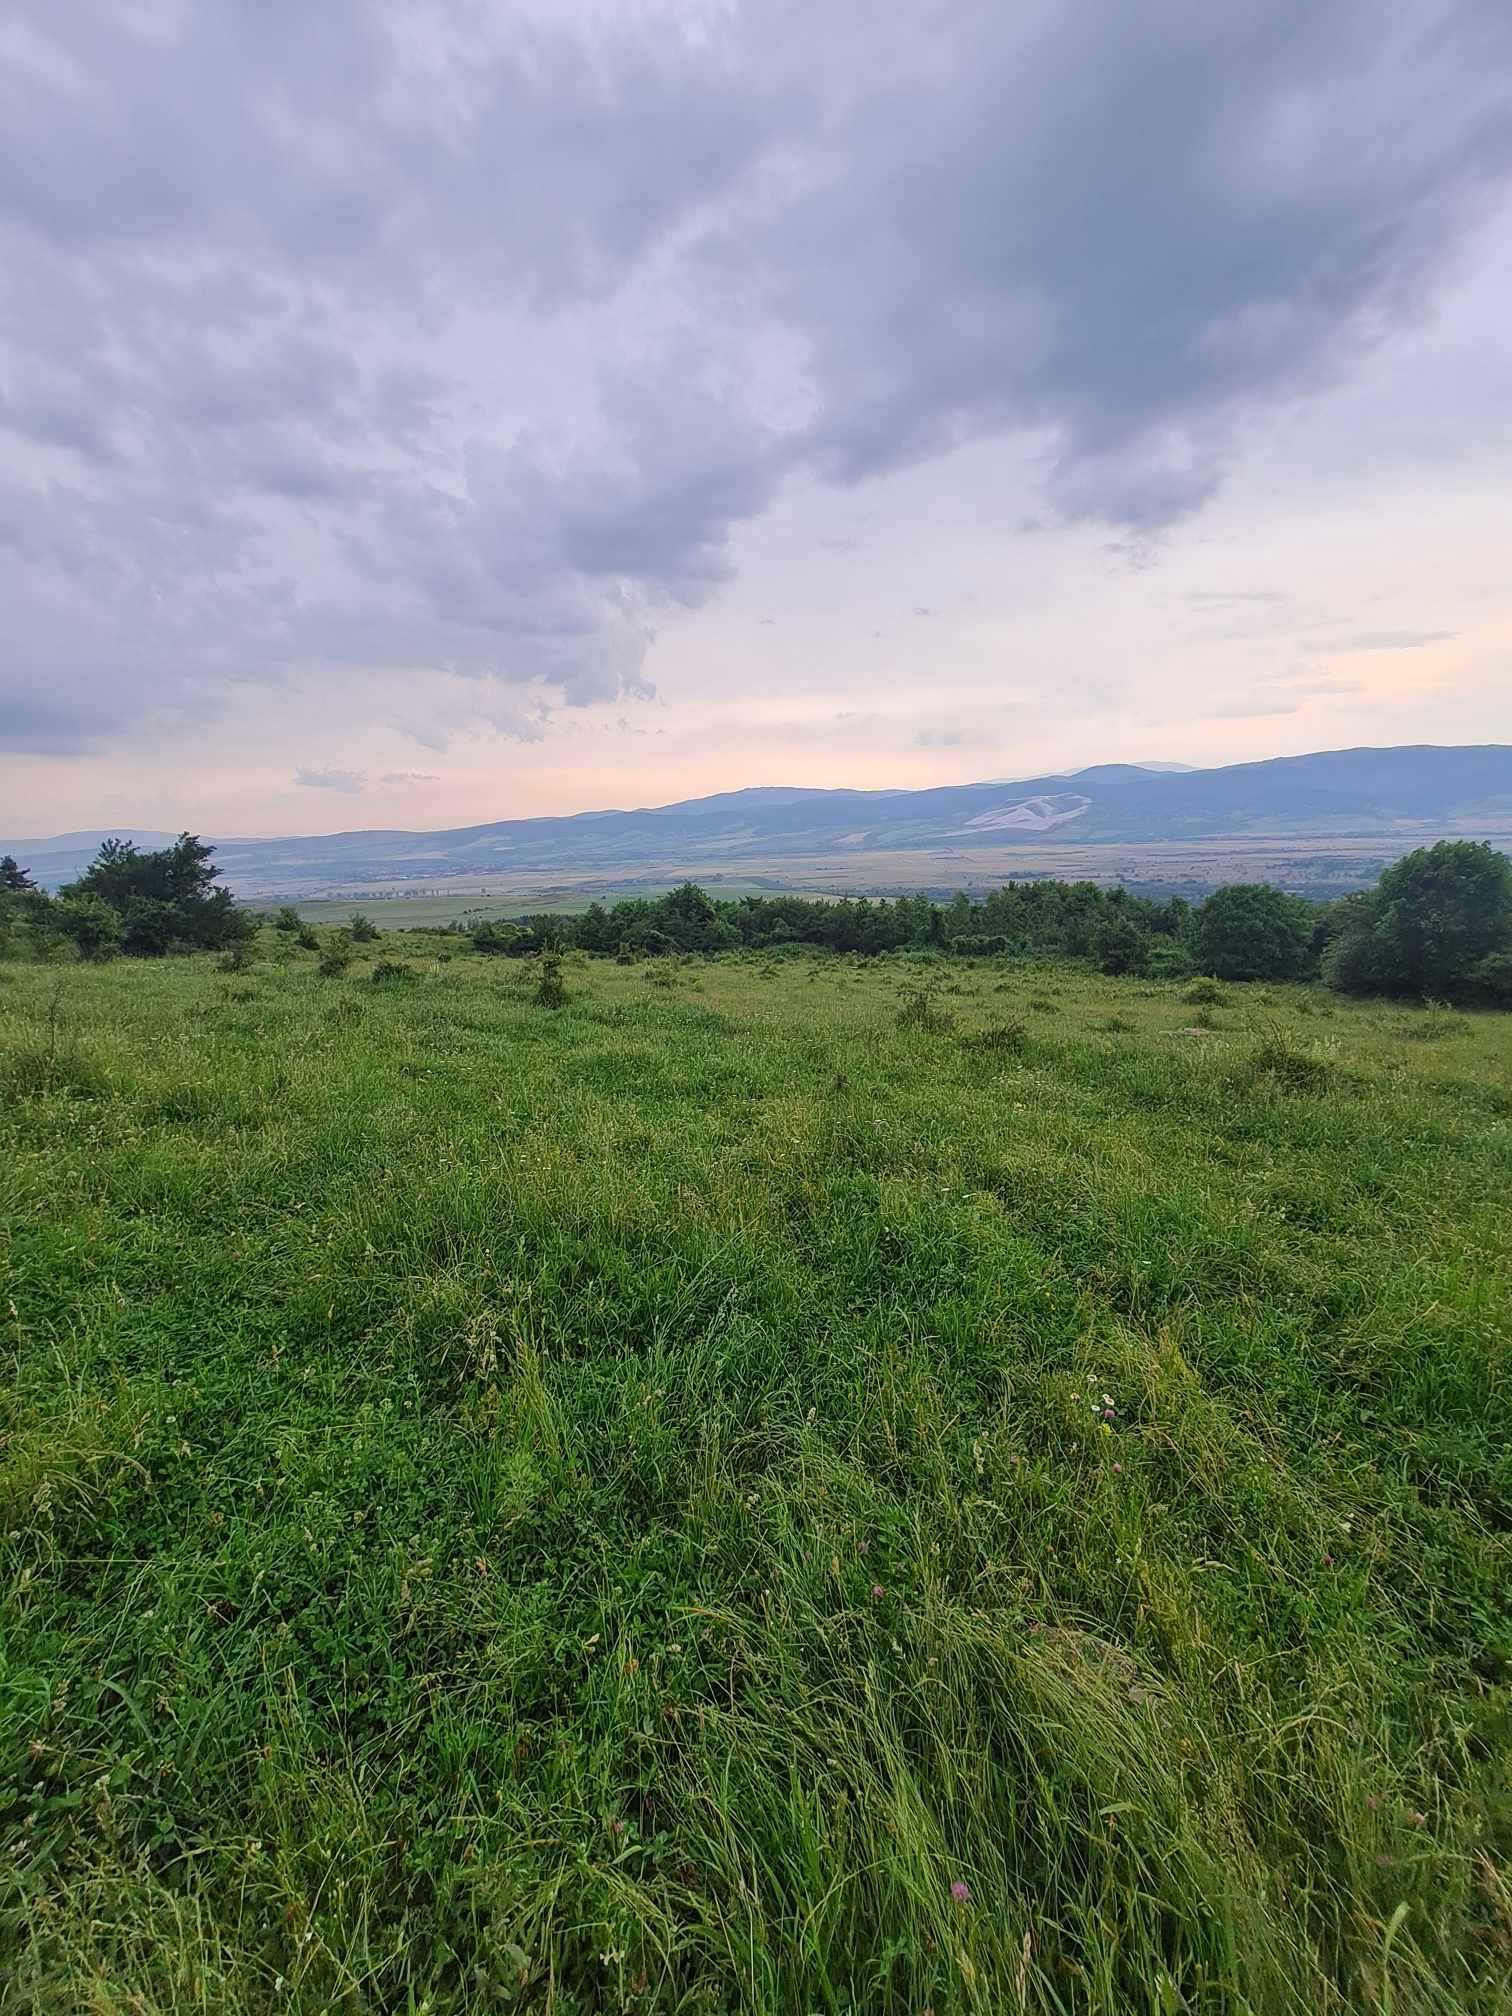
pixel 613 1510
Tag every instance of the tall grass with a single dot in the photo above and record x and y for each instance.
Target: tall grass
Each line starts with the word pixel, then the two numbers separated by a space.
pixel 734 1500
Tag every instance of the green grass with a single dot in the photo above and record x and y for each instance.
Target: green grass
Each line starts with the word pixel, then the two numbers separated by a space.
pixel 614 1508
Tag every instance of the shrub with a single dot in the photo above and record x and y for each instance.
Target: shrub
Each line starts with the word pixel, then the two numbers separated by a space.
pixel 306 939
pixel 1251 931
pixel 392 972
pixel 1205 994
pixel 1120 947
pixel 550 988
pixel 1491 980
pixel 287 919
pixel 362 930
pixel 1116 1025
pixel 91 926
pixel 166 898
pixel 150 928
pixel 1166 959
pixel 494 939
pixel 1430 926
pixel 238 959
pixel 334 961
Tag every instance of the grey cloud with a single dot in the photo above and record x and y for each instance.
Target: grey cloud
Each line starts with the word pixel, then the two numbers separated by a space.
pixel 410 777
pixel 349 781
pixel 1126 225
pixel 307 362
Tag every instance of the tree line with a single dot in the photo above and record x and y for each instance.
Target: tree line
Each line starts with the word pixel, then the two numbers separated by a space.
pixel 1438 923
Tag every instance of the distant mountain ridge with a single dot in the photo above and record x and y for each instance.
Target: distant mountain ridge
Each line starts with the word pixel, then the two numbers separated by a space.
pixel 1334 794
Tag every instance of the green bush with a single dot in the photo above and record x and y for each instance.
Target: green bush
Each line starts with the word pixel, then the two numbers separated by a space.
pixel 362 930
pixel 1251 931
pixel 334 961
pixel 1205 994
pixel 287 919
pixel 166 899
pixel 1438 923
pixel 392 972
pixel 90 925
pixel 1491 979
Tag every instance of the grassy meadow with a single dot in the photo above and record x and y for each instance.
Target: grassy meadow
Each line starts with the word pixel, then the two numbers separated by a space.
pixel 783 1485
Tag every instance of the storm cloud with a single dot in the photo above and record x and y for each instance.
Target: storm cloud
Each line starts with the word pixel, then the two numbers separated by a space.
pixel 414 339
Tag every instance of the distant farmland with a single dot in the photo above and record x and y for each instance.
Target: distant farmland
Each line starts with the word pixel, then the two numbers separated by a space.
pixel 1320 869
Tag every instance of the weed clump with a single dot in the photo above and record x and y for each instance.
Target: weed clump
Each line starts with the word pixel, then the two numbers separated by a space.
pixel 334 961
pixel 1278 1064
pixel 1433 1022
pixel 362 930
pixel 920 1012
pixel 393 973
pixel 237 960
pixel 37 1069
pixel 306 939
pixel 998 1039
pixel 1116 1025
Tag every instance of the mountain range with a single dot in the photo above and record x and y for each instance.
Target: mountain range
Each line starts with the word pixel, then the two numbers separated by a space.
pixel 1334 795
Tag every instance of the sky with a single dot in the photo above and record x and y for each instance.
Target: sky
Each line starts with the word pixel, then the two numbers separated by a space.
pixel 415 412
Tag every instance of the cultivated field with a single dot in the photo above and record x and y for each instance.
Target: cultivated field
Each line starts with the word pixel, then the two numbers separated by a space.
pixel 1320 868
pixel 717 1498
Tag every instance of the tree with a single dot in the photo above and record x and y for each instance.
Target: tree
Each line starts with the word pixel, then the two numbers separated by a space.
pixel 166 899
pixel 1252 931
pixel 1120 946
pixel 1433 925
pixel 13 877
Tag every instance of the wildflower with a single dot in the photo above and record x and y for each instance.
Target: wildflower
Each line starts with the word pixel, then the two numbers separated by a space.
pixel 1118 1466
pixel 961 1892
pixel 878 1592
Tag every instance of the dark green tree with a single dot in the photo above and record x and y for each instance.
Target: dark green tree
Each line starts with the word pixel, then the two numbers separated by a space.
pixel 13 877
pixel 167 899
pixel 1252 931
pixel 1434 925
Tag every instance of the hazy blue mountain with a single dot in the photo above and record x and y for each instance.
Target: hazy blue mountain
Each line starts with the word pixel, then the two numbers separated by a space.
pixel 1335 794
